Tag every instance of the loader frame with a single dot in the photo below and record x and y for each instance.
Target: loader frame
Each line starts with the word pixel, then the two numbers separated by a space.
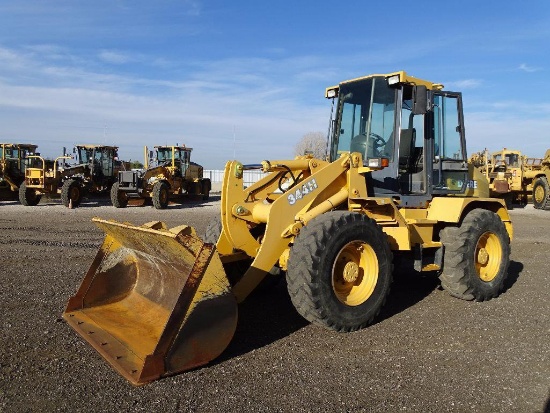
pixel 396 183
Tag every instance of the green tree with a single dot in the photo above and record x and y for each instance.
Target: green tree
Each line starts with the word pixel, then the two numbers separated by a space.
pixel 136 165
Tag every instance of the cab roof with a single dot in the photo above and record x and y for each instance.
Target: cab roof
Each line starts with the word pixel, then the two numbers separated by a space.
pixel 92 146
pixel 182 147
pixel 20 145
pixel 403 78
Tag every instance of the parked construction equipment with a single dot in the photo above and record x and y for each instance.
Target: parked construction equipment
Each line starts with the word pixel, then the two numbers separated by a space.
pixel 515 177
pixel 158 301
pixel 14 160
pixel 95 171
pixel 173 175
pixel 44 177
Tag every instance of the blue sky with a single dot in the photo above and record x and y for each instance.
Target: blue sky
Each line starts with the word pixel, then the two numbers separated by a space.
pixel 246 79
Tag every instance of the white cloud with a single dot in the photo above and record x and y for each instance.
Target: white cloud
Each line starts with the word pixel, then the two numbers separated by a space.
pixel 111 56
pixel 528 69
pixel 495 131
pixel 463 84
pixel 73 104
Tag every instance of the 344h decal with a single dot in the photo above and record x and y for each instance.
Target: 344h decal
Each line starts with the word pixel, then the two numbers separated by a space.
pixel 302 191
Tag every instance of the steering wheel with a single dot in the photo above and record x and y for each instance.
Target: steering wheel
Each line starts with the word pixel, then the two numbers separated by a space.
pixel 378 141
pixel 359 143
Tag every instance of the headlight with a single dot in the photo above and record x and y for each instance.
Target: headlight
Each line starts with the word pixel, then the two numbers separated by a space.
pixel 374 163
pixel 332 93
pixel 378 163
pixel 393 80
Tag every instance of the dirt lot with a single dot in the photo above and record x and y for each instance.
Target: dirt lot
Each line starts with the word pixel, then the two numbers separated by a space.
pixel 427 352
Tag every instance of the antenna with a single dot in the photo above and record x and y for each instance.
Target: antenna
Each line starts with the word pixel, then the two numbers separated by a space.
pixel 234 142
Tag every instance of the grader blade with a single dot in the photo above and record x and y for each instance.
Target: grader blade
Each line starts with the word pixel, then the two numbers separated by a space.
pixel 154 302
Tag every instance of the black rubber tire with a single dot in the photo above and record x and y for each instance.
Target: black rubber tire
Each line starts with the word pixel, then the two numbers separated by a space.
pixel 28 196
pixel 312 267
pixel 71 190
pixel 119 198
pixel 541 191
pixel 205 191
pixel 478 248
pixel 161 195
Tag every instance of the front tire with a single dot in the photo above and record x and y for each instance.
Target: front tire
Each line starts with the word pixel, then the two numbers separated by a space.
pixel 119 198
pixel 71 192
pixel 160 195
pixel 476 256
pixel 340 271
pixel 541 190
pixel 28 196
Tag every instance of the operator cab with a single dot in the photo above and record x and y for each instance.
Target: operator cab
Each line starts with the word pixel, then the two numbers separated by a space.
pixel 179 155
pixel 16 156
pixel 408 124
pixel 100 159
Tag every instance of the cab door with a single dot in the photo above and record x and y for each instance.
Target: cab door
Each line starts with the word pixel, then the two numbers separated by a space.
pixel 450 166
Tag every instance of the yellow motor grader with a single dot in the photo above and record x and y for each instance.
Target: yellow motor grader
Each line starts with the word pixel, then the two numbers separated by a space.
pixel 173 175
pixel 14 160
pixel 43 177
pixel 95 170
pixel 158 301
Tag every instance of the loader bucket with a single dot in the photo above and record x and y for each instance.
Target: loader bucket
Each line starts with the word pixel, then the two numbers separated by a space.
pixel 154 302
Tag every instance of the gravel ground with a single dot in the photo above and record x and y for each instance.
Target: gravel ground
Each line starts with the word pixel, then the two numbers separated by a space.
pixel 427 352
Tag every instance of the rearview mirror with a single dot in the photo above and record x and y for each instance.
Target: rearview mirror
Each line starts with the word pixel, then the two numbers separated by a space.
pixel 420 100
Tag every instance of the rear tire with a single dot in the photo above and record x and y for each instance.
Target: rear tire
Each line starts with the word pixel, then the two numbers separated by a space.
pixel 28 196
pixel 541 190
pixel 71 191
pixel 340 271
pixel 476 257
pixel 160 195
pixel 205 191
pixel 119 198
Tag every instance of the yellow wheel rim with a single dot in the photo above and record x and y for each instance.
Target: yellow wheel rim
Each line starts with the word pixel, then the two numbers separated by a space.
pixel 355 273
pixel 488 256
pixel 539 194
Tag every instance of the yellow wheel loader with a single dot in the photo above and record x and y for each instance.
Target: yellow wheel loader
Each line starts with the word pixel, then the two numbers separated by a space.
pixel 158 301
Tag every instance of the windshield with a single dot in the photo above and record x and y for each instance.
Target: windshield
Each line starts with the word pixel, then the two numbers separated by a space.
pixel 367 117
pixel 164 155
pixel 183 155
pixel 84 154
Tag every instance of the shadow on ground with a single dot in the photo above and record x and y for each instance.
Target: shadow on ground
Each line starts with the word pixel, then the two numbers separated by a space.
pixel 268 315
